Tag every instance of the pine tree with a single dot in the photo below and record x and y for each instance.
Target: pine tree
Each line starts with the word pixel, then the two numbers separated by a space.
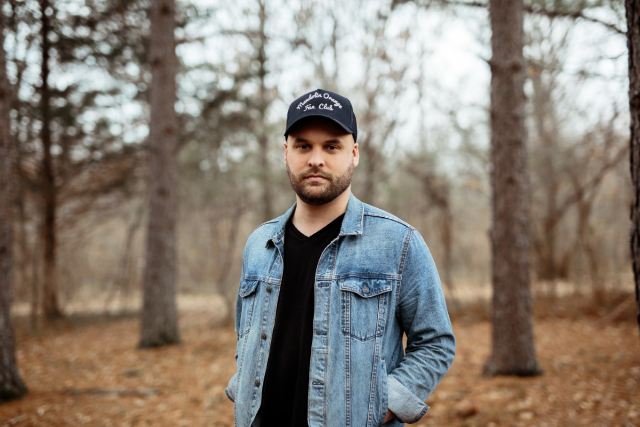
pixel 159 312
pixel 513 350
pixel 50 305
pixel 633 44
pixel 11 384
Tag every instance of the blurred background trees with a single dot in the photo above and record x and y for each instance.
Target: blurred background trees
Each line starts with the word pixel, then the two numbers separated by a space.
pixel 417 74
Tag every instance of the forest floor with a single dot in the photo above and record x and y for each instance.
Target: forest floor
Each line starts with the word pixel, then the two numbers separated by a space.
pixel 86 371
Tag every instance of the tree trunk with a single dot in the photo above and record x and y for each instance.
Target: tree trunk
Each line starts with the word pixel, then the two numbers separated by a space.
pixel 446 236
pixel 263 139
pixel 11 385
pixel 513 351
pixel 370 164
pixel 159 313
pixel 50 307
pixel 633 43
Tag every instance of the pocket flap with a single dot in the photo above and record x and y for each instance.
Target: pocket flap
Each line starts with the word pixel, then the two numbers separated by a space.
pixel 248 287
pixel 366 288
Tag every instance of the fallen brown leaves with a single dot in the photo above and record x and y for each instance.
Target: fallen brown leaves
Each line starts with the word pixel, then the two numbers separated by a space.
pixel 93 375
pixel 591 378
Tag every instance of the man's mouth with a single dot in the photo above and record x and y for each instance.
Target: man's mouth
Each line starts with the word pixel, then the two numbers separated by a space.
pixel 315 177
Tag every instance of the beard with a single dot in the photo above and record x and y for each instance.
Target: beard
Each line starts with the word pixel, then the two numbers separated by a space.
pixel 320 193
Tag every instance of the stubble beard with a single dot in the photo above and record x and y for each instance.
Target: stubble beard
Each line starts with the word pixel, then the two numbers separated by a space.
pixel 314 194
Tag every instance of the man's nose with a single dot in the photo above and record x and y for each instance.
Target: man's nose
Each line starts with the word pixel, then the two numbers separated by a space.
pixel 316 158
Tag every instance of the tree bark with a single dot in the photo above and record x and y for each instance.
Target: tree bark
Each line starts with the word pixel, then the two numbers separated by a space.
pixel 263 139
pixel 159 312
pixel 543 115
pixel 11 384
pixel 50 307
pixel 633 44
pixel 513 350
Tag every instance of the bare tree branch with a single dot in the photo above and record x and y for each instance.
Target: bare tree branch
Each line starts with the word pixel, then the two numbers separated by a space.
pixel 590 185
pixel 534 9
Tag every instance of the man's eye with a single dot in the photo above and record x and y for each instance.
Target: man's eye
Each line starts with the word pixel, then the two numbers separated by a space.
pixel 332 147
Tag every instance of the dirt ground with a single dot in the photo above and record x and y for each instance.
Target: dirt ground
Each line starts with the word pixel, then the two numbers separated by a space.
pixel 87 371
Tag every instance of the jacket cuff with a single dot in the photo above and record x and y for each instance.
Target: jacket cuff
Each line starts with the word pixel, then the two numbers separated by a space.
pixel 403 403
pixel 230 391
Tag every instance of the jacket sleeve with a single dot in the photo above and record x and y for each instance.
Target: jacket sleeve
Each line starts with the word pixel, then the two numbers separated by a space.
pixel 422 312
pixel 231 389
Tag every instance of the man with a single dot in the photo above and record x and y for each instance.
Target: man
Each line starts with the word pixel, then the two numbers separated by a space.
pixel 327 291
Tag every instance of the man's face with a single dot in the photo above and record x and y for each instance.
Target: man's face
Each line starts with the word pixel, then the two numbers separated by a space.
pixel 320 159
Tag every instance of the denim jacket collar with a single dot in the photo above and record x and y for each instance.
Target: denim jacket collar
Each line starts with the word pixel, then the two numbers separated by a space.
pixel 351 224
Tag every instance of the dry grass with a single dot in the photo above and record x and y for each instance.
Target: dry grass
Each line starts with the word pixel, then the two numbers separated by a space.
pixel 87 371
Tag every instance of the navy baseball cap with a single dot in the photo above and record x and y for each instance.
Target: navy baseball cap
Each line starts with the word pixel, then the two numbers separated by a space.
pixel 323 103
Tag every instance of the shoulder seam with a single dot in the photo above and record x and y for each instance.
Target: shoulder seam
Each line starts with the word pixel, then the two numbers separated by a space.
pixel 275 220
pixel 398 220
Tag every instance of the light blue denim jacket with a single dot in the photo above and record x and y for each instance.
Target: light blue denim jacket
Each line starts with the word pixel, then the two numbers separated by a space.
pixel 376 280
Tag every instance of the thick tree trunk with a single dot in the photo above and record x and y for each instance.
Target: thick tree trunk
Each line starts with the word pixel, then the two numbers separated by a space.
pixel 159 313
pixel 513 351
pixel 11 385
pixel 50 307
pixel 633 43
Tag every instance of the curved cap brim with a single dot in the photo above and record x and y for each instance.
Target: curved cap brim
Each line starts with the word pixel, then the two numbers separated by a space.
pixel 318 114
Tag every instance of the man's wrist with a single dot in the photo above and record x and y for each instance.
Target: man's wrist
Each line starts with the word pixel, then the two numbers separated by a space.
pixel 389 417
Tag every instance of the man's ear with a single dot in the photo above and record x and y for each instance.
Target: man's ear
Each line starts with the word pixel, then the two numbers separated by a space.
pixel 356 154
pixel 285 151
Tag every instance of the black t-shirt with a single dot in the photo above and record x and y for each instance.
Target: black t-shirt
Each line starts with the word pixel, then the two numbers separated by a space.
pixel 286 380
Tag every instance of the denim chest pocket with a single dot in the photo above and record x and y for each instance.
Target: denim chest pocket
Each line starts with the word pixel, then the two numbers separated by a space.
pixel 364 303
pixel 248 294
